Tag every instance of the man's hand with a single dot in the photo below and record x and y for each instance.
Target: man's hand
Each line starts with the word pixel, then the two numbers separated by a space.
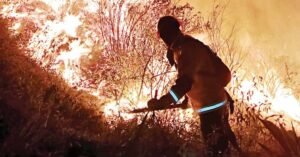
pixel 161 103
pixel 153 104
pixel 185 102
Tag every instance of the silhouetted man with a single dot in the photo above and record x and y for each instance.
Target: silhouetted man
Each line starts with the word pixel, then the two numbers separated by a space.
pixel 202 76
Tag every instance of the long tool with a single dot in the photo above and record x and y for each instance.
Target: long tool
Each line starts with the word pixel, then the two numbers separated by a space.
pixel 146 109
pixel 161 107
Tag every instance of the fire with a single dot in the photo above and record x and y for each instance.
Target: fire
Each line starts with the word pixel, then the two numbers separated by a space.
pixel 67 61
pixel 285 102
pixel 114 109
pixel 72 59
pixel 70 24
pixel 55 4
pixel 251 94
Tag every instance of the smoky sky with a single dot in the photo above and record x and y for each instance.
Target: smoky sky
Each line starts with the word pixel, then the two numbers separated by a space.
pixel 271 27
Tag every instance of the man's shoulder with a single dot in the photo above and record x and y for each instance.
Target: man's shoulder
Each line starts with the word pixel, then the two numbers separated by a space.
pixel 183 41
pixel 189 42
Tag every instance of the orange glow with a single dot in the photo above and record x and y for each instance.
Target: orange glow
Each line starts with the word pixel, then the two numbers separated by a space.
pixel 55 4
pixel 71 59
pixel 257 97
pixel 67 62
pixel 286 103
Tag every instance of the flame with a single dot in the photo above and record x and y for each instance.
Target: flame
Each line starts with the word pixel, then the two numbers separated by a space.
pixel 66 63
pixel 70 24
pixel 55 4
pixel 251 94
pixel 285 102
pixel 114 109
pixel 72 59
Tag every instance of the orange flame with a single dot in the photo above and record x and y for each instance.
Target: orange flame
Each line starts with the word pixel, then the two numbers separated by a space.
pixel 69 25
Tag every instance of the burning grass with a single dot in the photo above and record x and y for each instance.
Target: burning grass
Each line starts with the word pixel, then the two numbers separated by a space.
pixel 59 98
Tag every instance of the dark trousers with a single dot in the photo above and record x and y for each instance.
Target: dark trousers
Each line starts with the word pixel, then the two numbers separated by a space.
pixel 216 132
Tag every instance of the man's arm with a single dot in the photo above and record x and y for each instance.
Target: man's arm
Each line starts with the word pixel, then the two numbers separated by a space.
pixel 177 91
pixel 189 64
pixel 182 85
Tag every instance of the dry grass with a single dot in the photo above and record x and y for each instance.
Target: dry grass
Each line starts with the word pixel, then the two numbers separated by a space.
pixel 42 103
pixel 40 115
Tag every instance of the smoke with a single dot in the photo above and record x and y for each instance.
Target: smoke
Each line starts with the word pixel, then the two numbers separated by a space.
pixel 272 25
pixel 268 30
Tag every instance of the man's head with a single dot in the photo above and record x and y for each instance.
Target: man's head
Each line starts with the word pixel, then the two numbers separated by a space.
pixel 168 29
